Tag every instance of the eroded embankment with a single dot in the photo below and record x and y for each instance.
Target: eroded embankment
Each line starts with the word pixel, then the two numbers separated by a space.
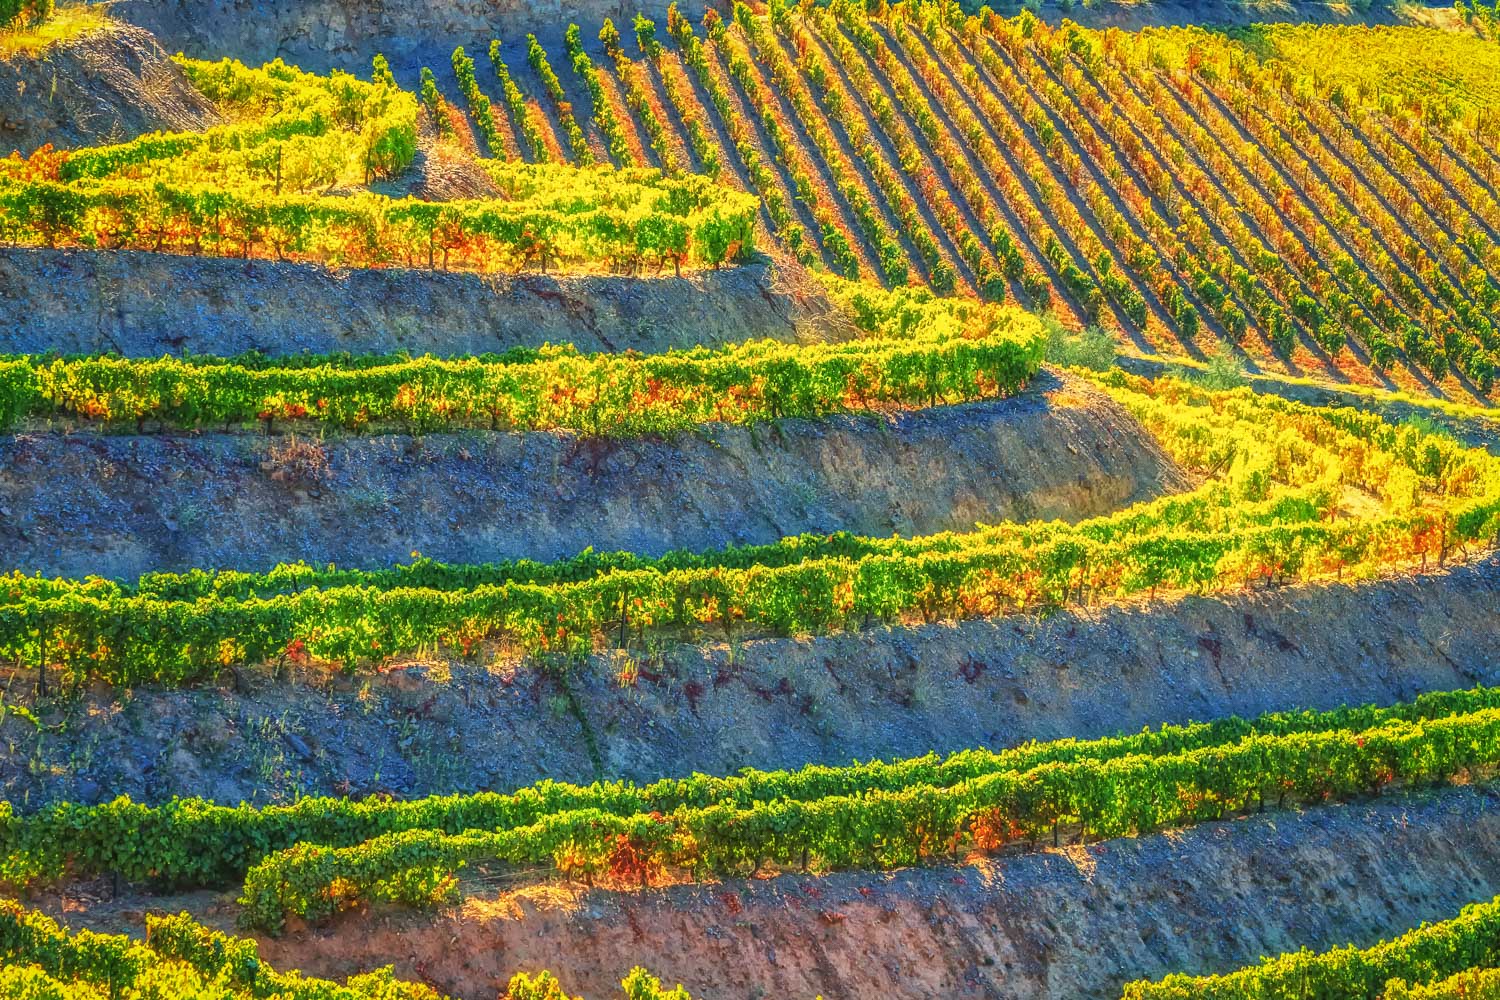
pixel 146 305
pixel 344 33
pixel 107 85
pixel 769 703
pixel 324 34
pixel 121 506
pixel 1054 925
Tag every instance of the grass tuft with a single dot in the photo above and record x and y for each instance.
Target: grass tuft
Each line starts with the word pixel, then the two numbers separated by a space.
pixel 67 24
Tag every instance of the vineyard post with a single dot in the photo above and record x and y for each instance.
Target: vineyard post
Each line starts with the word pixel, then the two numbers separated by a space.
pixel 623 617
pixel 41 669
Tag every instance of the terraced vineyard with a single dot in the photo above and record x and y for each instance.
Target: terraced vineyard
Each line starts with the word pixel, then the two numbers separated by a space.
pixel 851 566
pixel 1175 186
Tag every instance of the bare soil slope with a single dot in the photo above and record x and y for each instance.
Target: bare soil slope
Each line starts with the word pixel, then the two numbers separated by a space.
pixel 346 33
pixel 146 305
pixel 121 506
pixel 1051 926
pixel 108 85
pixel 885 692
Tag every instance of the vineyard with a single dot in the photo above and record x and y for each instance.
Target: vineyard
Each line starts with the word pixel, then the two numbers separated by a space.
pixel 1303 197
pixel 261 182
pixel 916 502
pixel 1276 480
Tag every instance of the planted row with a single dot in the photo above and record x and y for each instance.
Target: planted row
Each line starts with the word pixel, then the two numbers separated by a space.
pixel 479 104
pixel 194 843
pixel 613 395
pixel 1441 960
pixel 882 829
pixel 369 230
pixel 179 959
pixel 24 13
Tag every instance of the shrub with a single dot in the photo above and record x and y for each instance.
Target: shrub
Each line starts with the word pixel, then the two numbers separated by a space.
pixel 1090 348
pixel 1224 372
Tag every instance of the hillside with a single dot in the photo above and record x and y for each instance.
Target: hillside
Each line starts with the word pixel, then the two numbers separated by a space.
pixel 103 82
pixel 1160 183
pixel 842 500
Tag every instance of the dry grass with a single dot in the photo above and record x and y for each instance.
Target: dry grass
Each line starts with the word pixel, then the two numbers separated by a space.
pixel 68 23
pixel 297 462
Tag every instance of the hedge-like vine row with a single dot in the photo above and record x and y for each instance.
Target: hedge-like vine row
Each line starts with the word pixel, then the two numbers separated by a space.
pixel 1471 984
pixel 611 395
pixel 24 13
pixel 527 119
pixel 1110 798
pixel 684 103
pixel 179 959
pixel 479 103
pixel 614 129
pixel 1433 961
pixel 638 95
pixel 742 136
pixel 194 843
pixel 537 57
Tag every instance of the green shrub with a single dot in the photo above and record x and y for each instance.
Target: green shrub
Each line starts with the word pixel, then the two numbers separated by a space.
pixel 1090 348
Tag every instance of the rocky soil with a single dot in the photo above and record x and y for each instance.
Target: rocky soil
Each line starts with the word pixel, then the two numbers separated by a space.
pixel 106 86
pixel 1070 924
pixel 146 305
pixel 430 727
pixel 120 506
pixel 348 33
